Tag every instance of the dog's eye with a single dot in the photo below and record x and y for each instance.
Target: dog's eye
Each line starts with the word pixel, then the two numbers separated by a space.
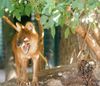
pixel 19 42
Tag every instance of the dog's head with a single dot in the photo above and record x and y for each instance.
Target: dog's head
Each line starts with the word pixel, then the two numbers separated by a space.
pixel 24 36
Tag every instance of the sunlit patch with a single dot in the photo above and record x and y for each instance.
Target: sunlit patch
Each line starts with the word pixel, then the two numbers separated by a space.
pixel 58 66
pixel 94 44
pixel 6 9
pixel 99 25
pixel 42 34
pixel 73 19
pixel 96 30
pixel 56 18
pixel 91 63
pixel 71 60
pixel 89 18
pixel 20 1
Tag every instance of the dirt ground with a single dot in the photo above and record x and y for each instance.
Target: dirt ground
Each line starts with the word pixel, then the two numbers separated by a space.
pixel 84 73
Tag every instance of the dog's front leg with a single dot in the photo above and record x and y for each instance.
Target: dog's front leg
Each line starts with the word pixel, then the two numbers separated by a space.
pixel 35 70
pixel 24 77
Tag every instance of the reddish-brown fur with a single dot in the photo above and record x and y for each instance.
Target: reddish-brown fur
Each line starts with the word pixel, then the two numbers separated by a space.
pixel 25 47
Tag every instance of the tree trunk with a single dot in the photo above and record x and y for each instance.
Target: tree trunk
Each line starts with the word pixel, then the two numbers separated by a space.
pixel 68 48
pixel 49 47
pixel 92 44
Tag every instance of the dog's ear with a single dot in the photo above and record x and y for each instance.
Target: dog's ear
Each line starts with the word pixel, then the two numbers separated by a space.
pixel 30 26
pixel 19 27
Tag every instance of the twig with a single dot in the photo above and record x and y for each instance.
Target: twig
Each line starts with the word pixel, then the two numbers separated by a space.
pixel 9 22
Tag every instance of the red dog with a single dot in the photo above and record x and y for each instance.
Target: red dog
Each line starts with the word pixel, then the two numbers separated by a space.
pixel 25 47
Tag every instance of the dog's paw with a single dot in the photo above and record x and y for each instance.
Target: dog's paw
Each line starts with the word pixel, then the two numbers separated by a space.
pixel 35 81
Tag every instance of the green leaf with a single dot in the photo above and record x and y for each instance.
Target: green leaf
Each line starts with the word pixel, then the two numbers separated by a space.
pixel 46 26
pixel 51 22
pixel 21 9
pixel 67 32
pixel 8 4
pixel 91 5
pixel 62 20
pixel 53 32
pixel 61 6
pixel 78 5
pixel 98 3
pixel 4 3
pixel 56 15
pixel 1 12
pixel 81 5
pixel 12 8
pixel 46 10
pixel 68 1
pixel 74 24
pixel 73 30
pixel 75 4
pixel 18 17
pixel 17 14
pixel 28 9
pixel 49 7
pixel 73 27
pixel 44 19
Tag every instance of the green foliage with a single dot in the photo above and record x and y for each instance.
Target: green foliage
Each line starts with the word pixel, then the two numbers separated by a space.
pixel 44 19
pixel 28 9
pixel 67 32
pixel 1 12
pixel 5 3
pixel 53 31
pixel 92 4
pixel 20 8
pixel 53 12
pixel 78 5
pixel 48 7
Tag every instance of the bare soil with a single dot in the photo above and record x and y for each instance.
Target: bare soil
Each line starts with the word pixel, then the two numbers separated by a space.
pixel 83 73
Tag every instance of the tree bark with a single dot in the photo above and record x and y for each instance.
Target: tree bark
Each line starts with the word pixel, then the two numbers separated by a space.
pixel 41 41
pixel 69 48
pixel 90 41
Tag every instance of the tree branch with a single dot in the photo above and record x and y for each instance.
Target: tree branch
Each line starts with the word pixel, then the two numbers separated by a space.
pixel 90 41
pixel 41 31
pixel 10 23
